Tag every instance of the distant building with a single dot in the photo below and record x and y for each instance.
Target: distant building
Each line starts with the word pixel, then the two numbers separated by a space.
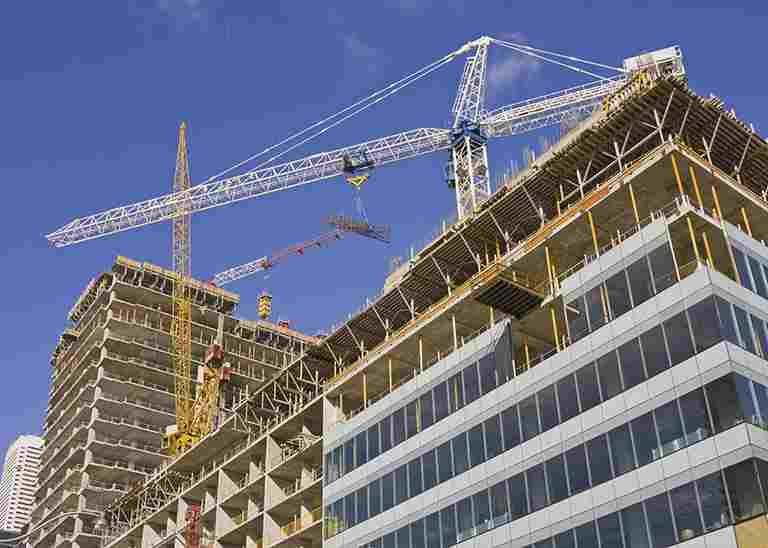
pixel 19 481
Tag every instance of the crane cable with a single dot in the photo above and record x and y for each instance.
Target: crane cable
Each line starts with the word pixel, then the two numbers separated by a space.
pixel 560 55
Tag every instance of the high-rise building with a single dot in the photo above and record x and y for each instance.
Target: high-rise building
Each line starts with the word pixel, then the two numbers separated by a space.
pixel 19 482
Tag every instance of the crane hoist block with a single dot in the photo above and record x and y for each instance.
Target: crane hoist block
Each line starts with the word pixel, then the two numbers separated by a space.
pixel 265 305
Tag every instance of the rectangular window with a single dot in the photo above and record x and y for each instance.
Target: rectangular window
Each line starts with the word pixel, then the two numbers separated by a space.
pixel 511 428
pixel 518 497
pixel 444 462
pixel 537 487
pixel 747 341
pixel 387 491
pixel 631 359
pixel 429 466
pixel 487 366
pixel 743 270
pixel 460 453
pixel 578 475
pixel 362 504
pixel 685 507
pixel 414 477
pixel 586 535
pixel 432 526
pixel 471 384
pixel 442 408
pixel 548 408
pixel 577 319
pixel 589 391
pixel 401 484
pixel 481 503
pixel 757 276
pixel 640 281
pixel 610 531
pixel 417 534
pixel 349 510
pixel 695 418
pixel 567 398
pixel 361 448
pixel 599 460
pixel 500 504
pixel 565 540
pixel 388 540
pixel 660 521
pixel 448 525
pixel 635 533
pixel 678 338
pixel 349 455
pixel 412 419
pixel 558 486
pixel 610 379
pixel 386 434
pixel 465 522
pixel 670 428
pixel 618 294
pixel 427 414
pixel 338 458
pixel 374 497
pixel 503 359
pixel 761 392
pixel 402 537
pixel 654 351
pixel 529 418
pixel 663 267
pixel 760 335
pixel 493 444
pixel 621 449
pixel 706 328
pixel 338 512
pixel 373 442
pixel 744 489
pixel 398 427
pixel 455 392
pixel 644 435
pixel 476 445
pixel 595 307
pixel 727 323
pixel 727 403
pixel 714 504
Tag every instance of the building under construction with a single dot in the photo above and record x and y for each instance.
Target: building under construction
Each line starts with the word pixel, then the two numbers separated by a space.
pixel 578 361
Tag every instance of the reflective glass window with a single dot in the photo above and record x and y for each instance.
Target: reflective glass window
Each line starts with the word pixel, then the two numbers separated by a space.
pixel 644 436
pixel 374 497
pixel 388 541
pixel 432 526
pixel 414 477
pixel 373 442
pixel 621 449
pixel 761 392
pixel 442 409
pixel 577 319
pixel 610 531
pixel 387 491
pixel 529 418
pixel 476 445
pixel 599 460
pixel 586 535
pixel 518 497
pixel 558 486
pixel 417 534
pixel 728 402
pixel 511 427
pixel 678 338
pixel 640 281
pixel 660 521
pixel 567 398
pixel 401 484
pixel 589 391
pixel 706 328
pixel 741 267
pixel 631 359
pixel 349 455
pixel 670 428
pixel 548 408
pixel 578 475
pixel 744 489
pixel 608 371
pixel 761 335
pixel 448 525
pixel 500 503
pixel 362 504
pixel 403 537
pixel 412 419
pixel 565 540
pixel 695 417
pixel 537 487
pixel 429 469
pixel 654 351
pixel 618 294
pixel 455 392
pixel 757 276
pixel 487 366
pixel 493 444
pixel 460 454
pixel 349 510
pixel 662 267
pixel 635 533
pixel 547 543
pixel 465 522
pixel 386 434
pixel 444 462
pixel 595 307
pixel 685 507
pixel 727 323
pixel 427 413
pixel 482 507
pixel 361 448
pixel 471 384
pixel 714 504
pixel 742 321
pixel 398 427
pixel 503 359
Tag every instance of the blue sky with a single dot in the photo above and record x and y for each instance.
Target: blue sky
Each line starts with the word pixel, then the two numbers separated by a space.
pixel 92 94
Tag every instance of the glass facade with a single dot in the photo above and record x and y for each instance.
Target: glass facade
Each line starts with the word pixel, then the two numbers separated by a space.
pixel 729 400
pixel 701 506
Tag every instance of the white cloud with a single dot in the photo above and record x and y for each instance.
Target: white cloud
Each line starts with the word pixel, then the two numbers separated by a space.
pixel 511 67
pixel 183 12
pixel 358 49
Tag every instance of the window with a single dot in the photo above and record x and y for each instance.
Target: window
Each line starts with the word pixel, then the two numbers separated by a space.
pixel 578 476
pixel 548 408
pixel 460 454
pixel 730 408
pixel 414 477
pixel 695 418
pixel 757 276
pixel 644 435
pixel 465 523
pixel 487 366
pixel 362 504
pixel 714 505
pixel 448 525
pixel 432 526
pixel 503 359
pixel 537 487
pixel 389 540
pixel 387 491
pixel 621 449
pixel 427 414
pixel 398 427
pixel 747 342
pixel 361 448
pixel 476 445
pixel 608 370
pixel 529 418
pixel 586 535
pixel 679 338
pixel 565 540
pixel 577 319
pixel 631 359
pixel 558 486
pixel 660 521
pixel 455 393
pixel 640 281
pixel 518 498
pixel 429 470
pixel 706 329
pixel 500 504
pixel 670 428
pixel 567 398
pixel 595 307
pixel 444 462
pixel 762 403
pixel 401 484
pixel 744 490
pixel 589 392
pixel 511 428
pixel 663 267
pixel 402 537
pixel 349 456
pixel 374 497
pixel 741 267
pixel 610 531
pixel 727 325
pixel 599 460
pixel 761 335
pixel 373 442
pixel 481 502
pixel 442 409
pixel 349 510
pixel 618 294
pixel 493 445
pixel 412 419
pixel 654 351
pixel 686 511
pixel 635 533
pixel 417 534
pixel 386 434
pixel 471 384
